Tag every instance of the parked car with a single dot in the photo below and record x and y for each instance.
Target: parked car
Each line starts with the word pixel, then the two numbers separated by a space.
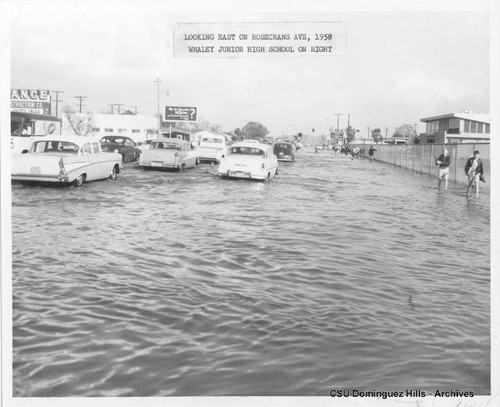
pixel 144 145
pixel 65 160
pixel 169 153
pixel 123 145
pixel 212 148
pixel 284 151
pixel 251 160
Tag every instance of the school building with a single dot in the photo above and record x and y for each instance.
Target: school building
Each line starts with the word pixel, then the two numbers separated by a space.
pixel 462 127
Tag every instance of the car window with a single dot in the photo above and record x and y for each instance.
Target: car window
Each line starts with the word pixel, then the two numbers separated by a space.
pixel 211 140
pixel 129 143
pixel 248 150
pixel 96 147
pixel 55 146
pixel 86 149
pixel 166 146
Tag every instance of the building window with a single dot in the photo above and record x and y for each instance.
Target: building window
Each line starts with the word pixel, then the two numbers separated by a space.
pixel 466 126
pixel 480 127
pixel 108 130
pixel 122 130
pixel 473 127
pixel 454 126
pixel 136 131
pixel 487 128
pixel 432 127
pixel 96 129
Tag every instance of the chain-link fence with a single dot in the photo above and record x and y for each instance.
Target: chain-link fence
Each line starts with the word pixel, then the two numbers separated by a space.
pixel 421 158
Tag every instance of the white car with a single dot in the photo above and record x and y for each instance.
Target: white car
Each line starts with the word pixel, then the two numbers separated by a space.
pixel 65 160
pixel 169 153
pixel 250 160
pixel 212 148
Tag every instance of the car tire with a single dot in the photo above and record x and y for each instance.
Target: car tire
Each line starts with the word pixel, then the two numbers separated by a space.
pixel 78 182
pixel 113 174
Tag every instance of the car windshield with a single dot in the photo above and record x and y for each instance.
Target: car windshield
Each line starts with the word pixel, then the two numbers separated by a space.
pixel 115 140
pixel 51 146
pixel 166 146
pixel 211 140
pixel 247 150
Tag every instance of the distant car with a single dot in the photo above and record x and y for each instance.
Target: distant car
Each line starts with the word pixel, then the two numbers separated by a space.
pixel 250 160
pixel 212 148
pixel 169 153
pixel 124 145
pixel 284 151
pixel 65 160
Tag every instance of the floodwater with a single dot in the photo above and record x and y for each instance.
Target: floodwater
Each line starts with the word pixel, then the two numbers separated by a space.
pixel 337 274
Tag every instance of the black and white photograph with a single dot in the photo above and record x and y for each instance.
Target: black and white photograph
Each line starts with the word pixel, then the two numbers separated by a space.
pixel 281 203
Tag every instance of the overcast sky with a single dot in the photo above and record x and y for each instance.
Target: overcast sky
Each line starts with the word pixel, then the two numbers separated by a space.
pixel 399 66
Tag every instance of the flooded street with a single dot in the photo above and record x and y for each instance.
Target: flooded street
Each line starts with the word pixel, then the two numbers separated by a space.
pixel 338 273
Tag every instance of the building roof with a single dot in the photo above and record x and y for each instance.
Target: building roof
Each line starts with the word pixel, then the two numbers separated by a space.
pixel 478 117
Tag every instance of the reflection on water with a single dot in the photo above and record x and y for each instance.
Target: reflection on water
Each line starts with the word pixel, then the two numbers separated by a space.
pixel 336 274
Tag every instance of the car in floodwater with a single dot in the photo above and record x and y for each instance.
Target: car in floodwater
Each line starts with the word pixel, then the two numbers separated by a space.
pixel 212 148
pixel 249 160
pixel 65 160
pixel 123 145
pixel 284 151
pixel 169 153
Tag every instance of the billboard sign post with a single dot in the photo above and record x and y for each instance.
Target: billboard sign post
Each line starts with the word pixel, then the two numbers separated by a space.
pixel 181 114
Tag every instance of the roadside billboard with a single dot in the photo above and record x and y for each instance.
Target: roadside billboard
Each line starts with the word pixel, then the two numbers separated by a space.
pixel 181 114
pixel 30 101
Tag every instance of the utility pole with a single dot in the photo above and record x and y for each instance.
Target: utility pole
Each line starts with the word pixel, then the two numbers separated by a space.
pixel 81 99
pixel 157 81
pixel 386 130
pixel 338 125
pixel 57 101
pixel 118 105
pixel 112 106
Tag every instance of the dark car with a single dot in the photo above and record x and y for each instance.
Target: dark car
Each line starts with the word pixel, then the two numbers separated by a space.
pixel 124 145
pixel 284 151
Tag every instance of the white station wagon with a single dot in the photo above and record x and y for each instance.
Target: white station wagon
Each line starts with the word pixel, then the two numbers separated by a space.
pixel 250 160
pixel 65 160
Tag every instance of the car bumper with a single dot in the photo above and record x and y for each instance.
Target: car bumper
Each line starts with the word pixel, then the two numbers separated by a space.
pixel 158 164
pixel 40 178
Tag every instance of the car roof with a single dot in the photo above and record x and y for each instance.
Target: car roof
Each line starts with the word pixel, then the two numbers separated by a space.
pixel 170 140
pixel 72 139
pixel 251 144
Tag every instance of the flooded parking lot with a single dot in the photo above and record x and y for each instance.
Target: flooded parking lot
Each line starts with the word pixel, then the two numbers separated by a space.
pixel 338 273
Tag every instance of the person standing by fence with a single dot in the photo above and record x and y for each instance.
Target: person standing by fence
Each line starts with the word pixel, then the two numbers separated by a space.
pixel 474 170
pixel 371 151
pixel 443 161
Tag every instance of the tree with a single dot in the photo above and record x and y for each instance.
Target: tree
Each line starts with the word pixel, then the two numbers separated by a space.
pixel 351 134
pixel 376 135
pixel 80 124
pixel 254 130
pixel 407 131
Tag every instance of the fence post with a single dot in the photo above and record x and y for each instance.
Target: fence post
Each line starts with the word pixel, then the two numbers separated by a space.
pixel 456 163
pixel 413 159
pixel 421 159
pixel 430 159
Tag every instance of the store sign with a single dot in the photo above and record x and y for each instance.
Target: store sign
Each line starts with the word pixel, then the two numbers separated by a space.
pixel 30 101
pixel 181 114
